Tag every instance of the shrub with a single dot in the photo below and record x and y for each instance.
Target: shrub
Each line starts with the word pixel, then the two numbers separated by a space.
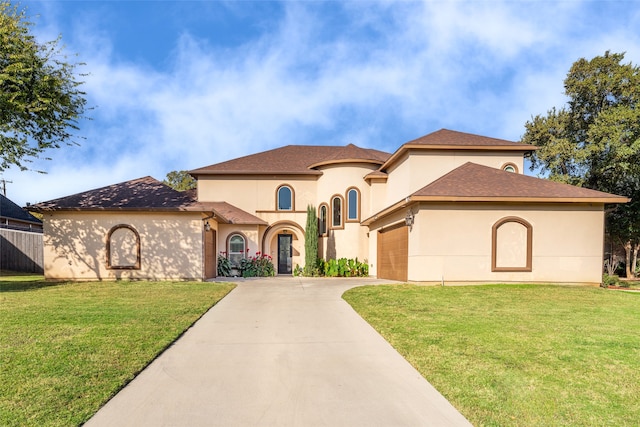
pixel 224 266
pixel 609 280
pixel 257 266
pixel 344 267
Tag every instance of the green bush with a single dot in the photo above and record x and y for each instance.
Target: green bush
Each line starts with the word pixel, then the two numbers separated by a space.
pixel 257 266
pixel 344 267
pixel 224 266
pixel 610 280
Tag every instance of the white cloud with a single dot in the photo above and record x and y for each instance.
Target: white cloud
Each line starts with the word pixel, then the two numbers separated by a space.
pixel 386 73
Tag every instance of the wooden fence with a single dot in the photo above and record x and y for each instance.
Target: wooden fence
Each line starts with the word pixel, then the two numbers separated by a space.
pixel 21 251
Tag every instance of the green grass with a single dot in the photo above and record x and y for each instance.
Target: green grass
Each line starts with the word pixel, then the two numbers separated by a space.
pixel 525 355
pixel 66 348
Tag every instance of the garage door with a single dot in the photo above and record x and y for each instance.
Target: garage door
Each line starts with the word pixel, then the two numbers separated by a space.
pixel 393 253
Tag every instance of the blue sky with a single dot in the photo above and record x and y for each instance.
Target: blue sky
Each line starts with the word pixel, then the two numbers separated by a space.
pixel 184 84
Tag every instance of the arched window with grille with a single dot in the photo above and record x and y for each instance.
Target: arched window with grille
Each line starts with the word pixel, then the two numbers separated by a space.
pixel 236 249
pixel 284 198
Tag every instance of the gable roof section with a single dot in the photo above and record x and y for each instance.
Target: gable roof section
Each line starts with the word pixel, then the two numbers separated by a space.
pixel 145 194
pixel 293 160
pixel 471 182
pixel 445 139
pixel 476 183
pixel 10 210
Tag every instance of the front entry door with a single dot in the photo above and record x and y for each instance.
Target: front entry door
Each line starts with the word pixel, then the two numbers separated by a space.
pixel 284 253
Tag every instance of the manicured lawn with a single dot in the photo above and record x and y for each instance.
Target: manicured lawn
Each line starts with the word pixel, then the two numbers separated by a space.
pixel 66 348
pixel 508 355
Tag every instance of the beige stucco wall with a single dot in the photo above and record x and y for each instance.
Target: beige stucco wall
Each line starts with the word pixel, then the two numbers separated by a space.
pixel 256 193
pixel 170 245
pixel 419 168
pixel 453 243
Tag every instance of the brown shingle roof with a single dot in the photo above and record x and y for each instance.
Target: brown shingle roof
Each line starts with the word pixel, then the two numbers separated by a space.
pixel 146 194
pixel 450 138
pixel 141 193
pixel 292 160
pixel 477 182
pixel 445 139
pixel 230 214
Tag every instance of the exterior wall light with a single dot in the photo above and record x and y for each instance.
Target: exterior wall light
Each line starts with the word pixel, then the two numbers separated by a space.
pixel 409 219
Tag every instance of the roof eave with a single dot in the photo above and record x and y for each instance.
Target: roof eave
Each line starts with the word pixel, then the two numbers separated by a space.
pixel 342 161
pixel 524 148
pixel 254 173
pixel 503 199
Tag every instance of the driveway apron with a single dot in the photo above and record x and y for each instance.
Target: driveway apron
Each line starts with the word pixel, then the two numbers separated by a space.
pixel 280 352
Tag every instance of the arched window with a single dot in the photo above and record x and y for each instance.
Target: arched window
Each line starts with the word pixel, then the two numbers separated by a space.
pixel 510 167
pixel 236 249
pixel 322 219
pixel 336 212
pixel 511 245
pixel 123 248
pixel 284 198
pixel 353 204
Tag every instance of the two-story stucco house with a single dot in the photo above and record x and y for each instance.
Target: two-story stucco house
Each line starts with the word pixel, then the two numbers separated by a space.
pixel 449 206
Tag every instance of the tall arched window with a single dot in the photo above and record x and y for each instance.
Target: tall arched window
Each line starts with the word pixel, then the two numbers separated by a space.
pixel 322 219
pixel 123 248
pixel 353 204
pixel 237 249
pixel 511 245
pixel 336 212
pixel 284 198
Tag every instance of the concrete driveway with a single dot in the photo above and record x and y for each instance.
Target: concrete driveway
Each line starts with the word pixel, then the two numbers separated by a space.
pixel 280 352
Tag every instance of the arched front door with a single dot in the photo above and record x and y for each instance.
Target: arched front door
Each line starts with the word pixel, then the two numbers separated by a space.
pixel 285 254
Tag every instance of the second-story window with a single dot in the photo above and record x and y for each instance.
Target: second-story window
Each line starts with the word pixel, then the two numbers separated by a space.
pixel 285 198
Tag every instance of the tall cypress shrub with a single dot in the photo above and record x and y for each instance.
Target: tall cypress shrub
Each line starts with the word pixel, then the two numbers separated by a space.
pixel 311 242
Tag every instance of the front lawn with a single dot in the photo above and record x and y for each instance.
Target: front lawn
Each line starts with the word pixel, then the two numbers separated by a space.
pixel 66 348
pixel 518 355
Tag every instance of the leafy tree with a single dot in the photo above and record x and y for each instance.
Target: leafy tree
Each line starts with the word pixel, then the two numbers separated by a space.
pixel 594 141
pixel 311 242
pixel 180 180
pixel 40 99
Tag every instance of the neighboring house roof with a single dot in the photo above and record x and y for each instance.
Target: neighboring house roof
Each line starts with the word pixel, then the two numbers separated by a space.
pixel 445 139
pixel 10 210
pixel 293 160
pixel 477 183
pixel 145 194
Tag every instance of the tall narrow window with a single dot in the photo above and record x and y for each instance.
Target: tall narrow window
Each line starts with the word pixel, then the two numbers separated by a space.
pixel 322 220
pixel 237 245
pixel 285 198
pixel 353 204
pixel 123 248
pixel 336 212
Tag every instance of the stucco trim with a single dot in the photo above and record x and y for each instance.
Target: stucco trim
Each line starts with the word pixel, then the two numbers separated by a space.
pixel 494 245
pixel 276 226
pixel 513 165
pixel 137 264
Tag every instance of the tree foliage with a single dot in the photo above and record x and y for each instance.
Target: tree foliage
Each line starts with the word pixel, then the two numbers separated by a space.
pixel 594 141
pixel 180 180
pixel 311 242
pixel 40 98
